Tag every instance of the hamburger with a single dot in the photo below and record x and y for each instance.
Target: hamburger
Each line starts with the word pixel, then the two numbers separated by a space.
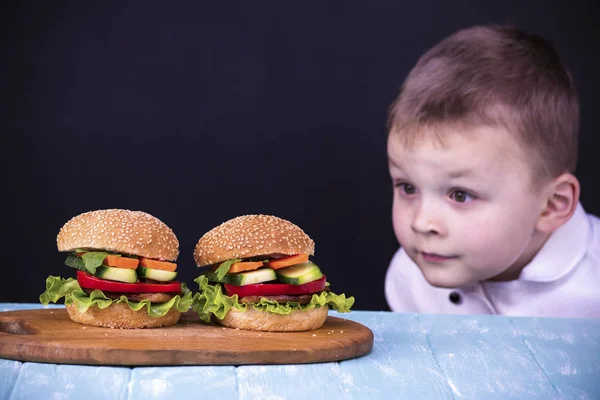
pixel 259 277
pixel 124 262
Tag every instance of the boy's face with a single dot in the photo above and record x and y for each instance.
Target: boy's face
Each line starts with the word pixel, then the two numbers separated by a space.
pixel 465 211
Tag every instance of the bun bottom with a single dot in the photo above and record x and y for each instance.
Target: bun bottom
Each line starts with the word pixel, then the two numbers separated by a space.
pixel 255 320
pixel 120 316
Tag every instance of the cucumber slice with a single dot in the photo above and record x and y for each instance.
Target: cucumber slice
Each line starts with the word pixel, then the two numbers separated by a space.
pixel 299 274
pixel 116 274
pixel 75 262
pixel 156 274
pixel 250 277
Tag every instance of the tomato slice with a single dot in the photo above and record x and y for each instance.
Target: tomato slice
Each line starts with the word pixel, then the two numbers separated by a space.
pixel 92 282
pixel 275 289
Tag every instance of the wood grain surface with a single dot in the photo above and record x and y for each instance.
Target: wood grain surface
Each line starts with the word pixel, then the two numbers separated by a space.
pixel 50 336
pixel 414 356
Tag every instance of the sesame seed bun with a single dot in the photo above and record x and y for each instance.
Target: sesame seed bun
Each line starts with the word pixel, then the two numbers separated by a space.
pixel 250 236
pixel 120 316
pixel 120 231
pixel 255 320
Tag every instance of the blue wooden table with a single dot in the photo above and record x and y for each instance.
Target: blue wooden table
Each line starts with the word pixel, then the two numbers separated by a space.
pixel 415 356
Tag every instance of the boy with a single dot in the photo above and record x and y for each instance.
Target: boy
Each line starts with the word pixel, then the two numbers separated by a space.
pixel 482 149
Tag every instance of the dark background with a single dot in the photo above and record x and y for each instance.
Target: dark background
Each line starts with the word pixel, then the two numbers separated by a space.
pixel 197 112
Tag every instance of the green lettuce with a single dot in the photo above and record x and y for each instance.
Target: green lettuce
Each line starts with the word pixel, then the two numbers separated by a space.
pixel 212 301
pixel 224 269
pixel 93 260
pixel 57 288
pixel 90 260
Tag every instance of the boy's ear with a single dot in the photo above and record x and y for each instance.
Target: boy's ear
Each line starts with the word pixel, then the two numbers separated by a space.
pixel 560 203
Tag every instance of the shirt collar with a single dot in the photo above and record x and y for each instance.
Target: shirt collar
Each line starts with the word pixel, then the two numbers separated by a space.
pixel 563 250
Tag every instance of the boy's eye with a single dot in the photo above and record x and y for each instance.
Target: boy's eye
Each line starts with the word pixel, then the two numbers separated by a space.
pixel 407 188
pixel 460 196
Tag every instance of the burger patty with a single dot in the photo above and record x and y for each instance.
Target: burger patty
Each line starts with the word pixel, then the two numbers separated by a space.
pixel 298 298
pixel 152 297
pixel 302 299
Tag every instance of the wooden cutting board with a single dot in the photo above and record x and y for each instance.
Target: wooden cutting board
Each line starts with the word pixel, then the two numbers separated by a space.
pixel 49 336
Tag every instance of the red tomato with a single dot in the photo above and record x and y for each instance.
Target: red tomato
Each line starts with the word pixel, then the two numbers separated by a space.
pixel 91 282
pixel 274 289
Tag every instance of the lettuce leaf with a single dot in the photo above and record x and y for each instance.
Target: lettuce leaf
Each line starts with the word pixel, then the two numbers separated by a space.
pixel 212 301
pixel 93 260
pixel 224 268
pixel 57 288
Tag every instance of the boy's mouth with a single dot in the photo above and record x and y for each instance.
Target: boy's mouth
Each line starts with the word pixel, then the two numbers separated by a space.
pixel 435 258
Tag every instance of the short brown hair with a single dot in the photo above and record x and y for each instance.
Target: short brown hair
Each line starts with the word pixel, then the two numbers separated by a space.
pixel 495 75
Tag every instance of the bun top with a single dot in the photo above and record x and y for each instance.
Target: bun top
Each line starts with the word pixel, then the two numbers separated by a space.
pixel 250 236
pixel 120 231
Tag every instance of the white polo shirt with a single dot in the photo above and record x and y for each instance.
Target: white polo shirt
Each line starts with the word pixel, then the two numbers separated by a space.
pixel 563 280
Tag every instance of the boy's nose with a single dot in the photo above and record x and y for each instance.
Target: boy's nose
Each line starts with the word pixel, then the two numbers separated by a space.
pixel 425 221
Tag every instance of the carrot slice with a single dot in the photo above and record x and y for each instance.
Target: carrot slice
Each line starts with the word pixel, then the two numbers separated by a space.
pixel 155 264
pixel 244 266
pixel 287 261
pixel 121 262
